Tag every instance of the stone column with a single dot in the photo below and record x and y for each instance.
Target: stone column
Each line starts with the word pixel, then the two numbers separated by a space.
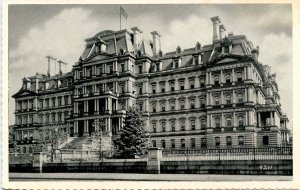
pixel 76 127
pixel 85 122
pixel 233 76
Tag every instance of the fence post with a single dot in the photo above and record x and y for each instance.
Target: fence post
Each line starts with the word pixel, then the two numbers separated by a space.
pixel 153 163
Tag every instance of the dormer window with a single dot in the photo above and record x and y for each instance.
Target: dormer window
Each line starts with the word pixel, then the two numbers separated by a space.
pixel 121 51
pixel 157 67
pixel 139 53
pixel 140 69
pixel 160 53
pixel 178 49
pixel 198 46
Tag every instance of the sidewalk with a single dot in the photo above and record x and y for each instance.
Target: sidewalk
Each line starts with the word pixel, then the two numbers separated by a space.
pixel 140 177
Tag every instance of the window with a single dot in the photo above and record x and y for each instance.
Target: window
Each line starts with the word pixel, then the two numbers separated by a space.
pixel 163 88
pixel 154 128
pixel 163 107
pixel 193 126
pixel 173 125
pixel 182 105
pixel 59 99
pixel 217 122
pixel 140 89
pixel 31 118
pixel 172 143
pixel 53 102
pixel 227 79
pixel 66 100
pixel 30 149
pixel 216 80
pixel 182 126
pixel 192 104
pixel 202 82
pixel 111 69
pixel 24 149
pixel 122 89
pixel 153 89
pixel 163 143
pixel 241 140
pixel 265 140
pixel 122 67
pixel 241 121
pixel 163 127
pixel 192 84
pixel 157 67
pixel 217 100
pixel 203 124
pixel 228 141
pixel 203 102
pixel 172 86
pixel 153 143
pixel 140 69
pixel 181 85
pixel 240 98
pixel 203 143
pixel 193 143
pixel 239 77
pixel 217 141
pixel 153 108
pixel 141 106
pixel 53 117
pixel 228 122
pixel 172 105
pixel 228 99
pixel 100 71
pixel 182 142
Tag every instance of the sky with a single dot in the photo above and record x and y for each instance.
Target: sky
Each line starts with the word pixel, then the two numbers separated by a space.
pixel 36 31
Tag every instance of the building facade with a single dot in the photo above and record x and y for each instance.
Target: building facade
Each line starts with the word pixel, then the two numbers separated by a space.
pixel 205 96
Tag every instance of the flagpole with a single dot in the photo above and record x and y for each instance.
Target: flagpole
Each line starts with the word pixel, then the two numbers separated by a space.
pixel 120 18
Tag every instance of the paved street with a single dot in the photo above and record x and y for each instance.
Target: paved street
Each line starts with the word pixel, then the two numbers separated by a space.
pixel 140 177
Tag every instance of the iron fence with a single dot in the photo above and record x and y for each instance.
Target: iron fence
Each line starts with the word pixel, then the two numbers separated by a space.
pixel 228 153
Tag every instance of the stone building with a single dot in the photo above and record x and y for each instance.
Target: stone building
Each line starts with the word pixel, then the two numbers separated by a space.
pixel 205 96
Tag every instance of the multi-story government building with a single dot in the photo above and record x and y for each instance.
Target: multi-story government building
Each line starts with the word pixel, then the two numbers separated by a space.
pixel 205 96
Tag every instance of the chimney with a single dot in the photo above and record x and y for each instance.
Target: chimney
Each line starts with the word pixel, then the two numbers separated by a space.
pixel 222 29
pixel 156 42
pixel 216 22
pixel 136 37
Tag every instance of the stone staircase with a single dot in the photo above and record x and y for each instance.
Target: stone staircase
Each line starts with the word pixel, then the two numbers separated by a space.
pixel 79 143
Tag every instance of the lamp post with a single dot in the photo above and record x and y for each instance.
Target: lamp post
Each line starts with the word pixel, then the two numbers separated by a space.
pixel 99 132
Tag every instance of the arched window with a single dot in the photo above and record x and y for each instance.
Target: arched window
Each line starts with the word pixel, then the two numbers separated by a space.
pixel 228 141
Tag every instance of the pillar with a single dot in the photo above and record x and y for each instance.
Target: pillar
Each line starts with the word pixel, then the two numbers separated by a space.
pixel 76 127
pixel 222 98
pixel 85 126
pixel 259 120
pixel 216 22
pixel 222 77
pixel 233 75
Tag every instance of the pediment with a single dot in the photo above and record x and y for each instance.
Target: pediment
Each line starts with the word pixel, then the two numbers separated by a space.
pixel 22 93
pixel 226 60
pixel 98 57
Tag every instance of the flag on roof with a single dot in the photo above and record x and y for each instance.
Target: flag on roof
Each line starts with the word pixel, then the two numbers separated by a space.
pixel 123 12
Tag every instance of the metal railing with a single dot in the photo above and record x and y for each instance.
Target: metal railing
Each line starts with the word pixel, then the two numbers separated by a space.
pixel 229 153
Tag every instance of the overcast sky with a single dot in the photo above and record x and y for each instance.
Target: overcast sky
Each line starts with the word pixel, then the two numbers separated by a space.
pixel 36 31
